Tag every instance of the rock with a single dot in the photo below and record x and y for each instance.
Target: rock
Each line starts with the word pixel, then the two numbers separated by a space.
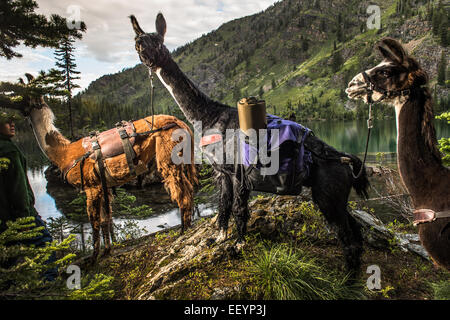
pixel 259 213
pixel 223 293
pixel 378 236
pixel 298 81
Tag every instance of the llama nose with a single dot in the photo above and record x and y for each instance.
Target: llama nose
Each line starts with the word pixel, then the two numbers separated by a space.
pixel 355 82
pixel 352 83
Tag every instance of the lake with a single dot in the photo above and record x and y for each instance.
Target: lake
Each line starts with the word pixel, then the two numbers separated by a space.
pixel 348 136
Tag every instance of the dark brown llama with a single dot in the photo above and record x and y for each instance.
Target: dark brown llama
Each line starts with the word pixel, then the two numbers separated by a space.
pixel 400 81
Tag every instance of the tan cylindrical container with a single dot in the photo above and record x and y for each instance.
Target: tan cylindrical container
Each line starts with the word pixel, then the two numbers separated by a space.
pixel 252 114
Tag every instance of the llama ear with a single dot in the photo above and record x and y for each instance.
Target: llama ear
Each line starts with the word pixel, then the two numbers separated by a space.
pixel 29 77
pixel 161 25
pixel 136 27
pixel 391 49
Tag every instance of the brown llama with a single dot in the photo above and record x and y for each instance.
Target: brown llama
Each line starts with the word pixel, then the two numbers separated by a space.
pixel 179 179
pixel 400 81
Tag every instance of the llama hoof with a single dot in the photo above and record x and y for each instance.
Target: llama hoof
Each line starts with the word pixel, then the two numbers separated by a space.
pixel 223 235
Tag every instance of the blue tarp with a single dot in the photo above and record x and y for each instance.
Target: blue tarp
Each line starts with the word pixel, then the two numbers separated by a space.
pixel 288 131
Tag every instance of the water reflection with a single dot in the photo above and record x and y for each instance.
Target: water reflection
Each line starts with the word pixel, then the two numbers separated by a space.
pixel 53 198
pixel 45 204
pixel 350 136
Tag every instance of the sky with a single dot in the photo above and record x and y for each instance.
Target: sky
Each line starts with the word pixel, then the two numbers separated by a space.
pixel 108 44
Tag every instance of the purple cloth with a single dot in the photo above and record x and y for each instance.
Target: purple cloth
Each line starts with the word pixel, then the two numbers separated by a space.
pixel 288 131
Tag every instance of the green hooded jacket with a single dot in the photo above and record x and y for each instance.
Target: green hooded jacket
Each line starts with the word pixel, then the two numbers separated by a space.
pixel 16 195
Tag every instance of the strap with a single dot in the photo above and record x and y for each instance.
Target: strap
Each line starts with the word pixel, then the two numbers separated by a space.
pixel 428 215
pixel 128 149
pixel 166 127
pixel 74 164
pixel 385 93
pixel 211 139
pixel 81 174
pixel 101 169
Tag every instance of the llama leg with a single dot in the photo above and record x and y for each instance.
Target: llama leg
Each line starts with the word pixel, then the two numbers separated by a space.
pixel 93 210
pixel 330 190
pixel 111 222
pixel 240 208
pixel 179 187
pixel 106 222
pixel 225 205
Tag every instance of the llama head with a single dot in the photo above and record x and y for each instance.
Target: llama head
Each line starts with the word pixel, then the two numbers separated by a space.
pixel 24 95
pixel 393 77
pixel 150 46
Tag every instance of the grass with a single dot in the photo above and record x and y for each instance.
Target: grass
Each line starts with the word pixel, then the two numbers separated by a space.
pixel 284 272
pixel 441 290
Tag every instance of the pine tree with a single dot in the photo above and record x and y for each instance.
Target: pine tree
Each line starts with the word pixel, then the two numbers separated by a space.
pixel 339 34
pixel 336 61
pixel 66 63
pixel 305 44
pixel 436 21
pixel 22 267
pixel 441 69
pixel 20 24
pixel 443 32
pixel 236 94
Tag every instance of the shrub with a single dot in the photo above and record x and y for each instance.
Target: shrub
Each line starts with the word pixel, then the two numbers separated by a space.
pixel 24 279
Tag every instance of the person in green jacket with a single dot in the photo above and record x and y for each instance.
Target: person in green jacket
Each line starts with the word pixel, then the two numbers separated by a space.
pixel 16 195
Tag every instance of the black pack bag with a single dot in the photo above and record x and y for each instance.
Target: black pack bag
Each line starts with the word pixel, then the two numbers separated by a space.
pixel 283 183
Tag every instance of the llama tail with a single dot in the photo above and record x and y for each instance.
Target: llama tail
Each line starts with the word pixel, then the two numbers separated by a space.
pixel 361 184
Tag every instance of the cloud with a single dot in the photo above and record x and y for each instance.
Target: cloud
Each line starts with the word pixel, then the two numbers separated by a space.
pixel 33 61
pixel 109 39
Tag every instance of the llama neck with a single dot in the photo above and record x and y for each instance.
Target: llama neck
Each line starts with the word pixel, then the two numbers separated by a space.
pixel 50 140
pixel 418 161
pixel 195 105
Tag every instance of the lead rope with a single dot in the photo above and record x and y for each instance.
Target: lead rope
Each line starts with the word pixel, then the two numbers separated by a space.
pixel 152 89
pixel 369 128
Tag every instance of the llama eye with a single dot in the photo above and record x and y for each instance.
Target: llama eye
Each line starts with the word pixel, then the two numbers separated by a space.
pixel 385 73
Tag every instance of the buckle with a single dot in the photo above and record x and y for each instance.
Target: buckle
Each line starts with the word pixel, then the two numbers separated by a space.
pixel 95 145
pixel 123 134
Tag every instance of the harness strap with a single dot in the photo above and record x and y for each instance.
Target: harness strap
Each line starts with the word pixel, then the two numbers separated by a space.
pixel 385 93
pixel 128 149
pixel 166 127
pixel 428 215
pixel 81 174
pixel 80 160
pixel 101 169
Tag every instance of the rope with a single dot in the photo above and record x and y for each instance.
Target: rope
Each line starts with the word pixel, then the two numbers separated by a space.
pixel 386 197
pixel 152 90
pixel 369 128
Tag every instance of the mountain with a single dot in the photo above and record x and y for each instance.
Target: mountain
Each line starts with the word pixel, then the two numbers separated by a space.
pixel 298 55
